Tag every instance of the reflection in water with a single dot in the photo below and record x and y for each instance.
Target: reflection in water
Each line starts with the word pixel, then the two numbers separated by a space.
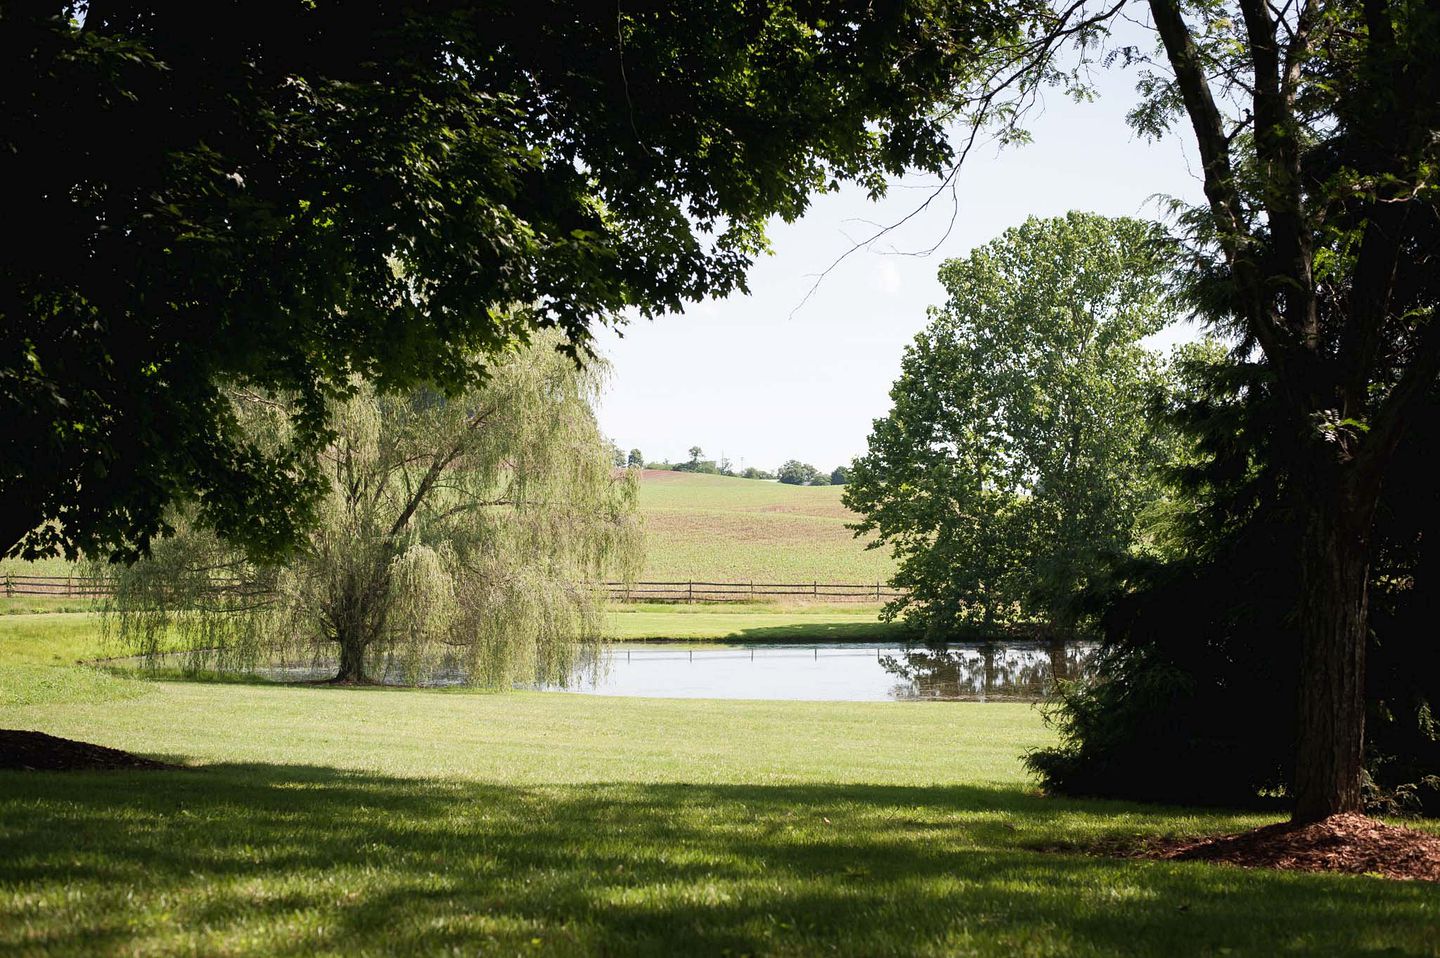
pixel 1021 671
pixel 975 672
pixel 986 671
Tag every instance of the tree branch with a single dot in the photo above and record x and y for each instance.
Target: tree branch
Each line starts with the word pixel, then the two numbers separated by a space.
pixel 1236 240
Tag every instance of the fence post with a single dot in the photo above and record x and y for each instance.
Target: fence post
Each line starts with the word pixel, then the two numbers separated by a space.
pixel 815 587
pixel 877 590
pixel 691 599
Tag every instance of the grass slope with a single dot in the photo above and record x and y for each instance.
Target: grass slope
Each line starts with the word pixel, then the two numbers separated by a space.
pixel 716 529
pixel 369 822
pixel 721 529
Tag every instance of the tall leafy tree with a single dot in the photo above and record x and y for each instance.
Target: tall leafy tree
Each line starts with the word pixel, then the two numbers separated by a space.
pixel 1323 221
pixel 1193 699
pixel 462 532
pixel 1018 451
pixel 1317 124
pixel 288 194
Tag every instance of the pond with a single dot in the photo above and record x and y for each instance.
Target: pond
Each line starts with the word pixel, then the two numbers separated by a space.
pixel 1020 671
pixel 836 672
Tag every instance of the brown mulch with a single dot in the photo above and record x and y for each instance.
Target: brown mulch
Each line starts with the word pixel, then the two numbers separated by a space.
pixel 1349 842
pixel 36 751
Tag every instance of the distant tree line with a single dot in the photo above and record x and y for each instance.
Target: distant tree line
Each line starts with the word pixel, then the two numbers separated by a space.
pixel 793 472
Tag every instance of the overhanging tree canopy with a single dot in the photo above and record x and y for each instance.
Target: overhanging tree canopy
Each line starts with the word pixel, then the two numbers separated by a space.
pixel 286 194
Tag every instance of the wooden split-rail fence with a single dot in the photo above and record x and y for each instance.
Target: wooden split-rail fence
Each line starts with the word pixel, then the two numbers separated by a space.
pixel 751 591
pixel 689 591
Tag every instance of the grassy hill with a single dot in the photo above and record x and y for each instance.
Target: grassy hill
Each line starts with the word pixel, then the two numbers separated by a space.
pixel 721 529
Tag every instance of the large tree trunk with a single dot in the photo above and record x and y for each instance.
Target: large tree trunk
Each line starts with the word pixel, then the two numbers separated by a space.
pixel 352 660
pixel 1059 663
pixel 1334 629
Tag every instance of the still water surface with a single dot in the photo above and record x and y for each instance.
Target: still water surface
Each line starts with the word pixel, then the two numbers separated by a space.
pixel 843 672
pixel 1021 671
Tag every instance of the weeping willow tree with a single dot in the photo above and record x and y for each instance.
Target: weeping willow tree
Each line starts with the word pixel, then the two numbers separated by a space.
pixel 459 533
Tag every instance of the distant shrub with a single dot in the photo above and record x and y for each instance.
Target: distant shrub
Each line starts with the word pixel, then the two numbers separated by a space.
pixel 796 473
pixel 840 476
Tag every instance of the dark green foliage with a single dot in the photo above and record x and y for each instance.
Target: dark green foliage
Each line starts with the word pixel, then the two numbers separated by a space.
pixel 636 459
pixel 1195 699
pixel 703 466
pixel 796 473
pixel 283 195
pixel 750 472
pixel 839 476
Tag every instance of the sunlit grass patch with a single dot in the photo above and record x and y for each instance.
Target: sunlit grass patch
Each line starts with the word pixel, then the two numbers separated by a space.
pixel 316 820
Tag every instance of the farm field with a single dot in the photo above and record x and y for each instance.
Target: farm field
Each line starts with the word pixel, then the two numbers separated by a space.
pixel 316 820
pixel 722 529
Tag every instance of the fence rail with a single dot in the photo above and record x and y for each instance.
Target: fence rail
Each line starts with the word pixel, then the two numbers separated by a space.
pixel 696 591
pixel 71 586
pixel 82 586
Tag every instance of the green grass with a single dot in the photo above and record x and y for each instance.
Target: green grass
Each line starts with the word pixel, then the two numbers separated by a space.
pixel 26 604
pixel 702 528
pixel 353 822
pixel 721 529
pixel 51 639
pixel 752 623
pixel 52 567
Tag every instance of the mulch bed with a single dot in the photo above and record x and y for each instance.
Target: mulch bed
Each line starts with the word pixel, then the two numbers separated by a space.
pixel 1349 842
pixel 36 751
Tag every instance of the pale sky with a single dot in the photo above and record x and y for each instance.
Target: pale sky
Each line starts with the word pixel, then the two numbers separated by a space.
pixel 746 378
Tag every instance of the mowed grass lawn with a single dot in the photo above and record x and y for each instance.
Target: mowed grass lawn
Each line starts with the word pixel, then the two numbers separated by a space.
pixel 315 820
pixel 722 529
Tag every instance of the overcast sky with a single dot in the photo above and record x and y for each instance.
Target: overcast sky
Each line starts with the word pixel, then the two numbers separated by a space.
pixel 745 378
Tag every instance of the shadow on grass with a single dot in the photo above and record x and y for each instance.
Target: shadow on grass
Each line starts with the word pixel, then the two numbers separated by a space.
pixel 292 859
